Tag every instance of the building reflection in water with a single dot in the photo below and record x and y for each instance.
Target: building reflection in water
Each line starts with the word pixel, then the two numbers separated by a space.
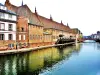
pixel 33 63
pixel 98 46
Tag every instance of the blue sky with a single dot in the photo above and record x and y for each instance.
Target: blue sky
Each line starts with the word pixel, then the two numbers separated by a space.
pixel 82 14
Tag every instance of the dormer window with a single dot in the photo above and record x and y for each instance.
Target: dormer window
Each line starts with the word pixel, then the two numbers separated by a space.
pixel 2 7
pixel 9 16
pixel 2 15
pixel 5 8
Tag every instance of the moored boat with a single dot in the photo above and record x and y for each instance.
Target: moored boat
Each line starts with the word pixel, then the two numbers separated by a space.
pixel 97 40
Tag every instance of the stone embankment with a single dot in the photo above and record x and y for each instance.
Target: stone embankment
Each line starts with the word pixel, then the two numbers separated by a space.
pixel 6 52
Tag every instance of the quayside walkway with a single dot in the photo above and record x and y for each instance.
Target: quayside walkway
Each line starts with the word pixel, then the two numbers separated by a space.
pixel 31 49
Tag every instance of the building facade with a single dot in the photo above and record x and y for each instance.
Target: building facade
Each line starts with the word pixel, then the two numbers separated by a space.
pixel 22 33
pixel 7 28
pixel 35 30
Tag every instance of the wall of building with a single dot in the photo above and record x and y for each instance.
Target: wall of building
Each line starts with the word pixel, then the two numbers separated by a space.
pixel 6 19
pixel 47 38
pixel 22 31
pixel 35 34
pixel 6 32
pixel 38 30
pixel 6 16
pixel 3 8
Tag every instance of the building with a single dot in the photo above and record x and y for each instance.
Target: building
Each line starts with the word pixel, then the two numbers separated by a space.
pixel 22 34
pixel 96 36
pixel 53 29
pixel 7 28
pixel 35 30
pixel 77 32
pixel 32 27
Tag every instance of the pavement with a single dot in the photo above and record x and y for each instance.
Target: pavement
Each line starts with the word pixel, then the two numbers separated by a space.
pixel 29 49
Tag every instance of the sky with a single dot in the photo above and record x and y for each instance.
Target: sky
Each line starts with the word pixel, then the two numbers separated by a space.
pixel 81 14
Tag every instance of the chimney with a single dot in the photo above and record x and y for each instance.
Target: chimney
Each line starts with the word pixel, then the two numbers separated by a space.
pixel 35 11
pixel 61 22
pixel 51 18
pixel 67 24
pixel 22 3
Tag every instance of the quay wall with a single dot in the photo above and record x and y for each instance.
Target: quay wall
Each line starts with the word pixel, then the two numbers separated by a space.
pixel 14 51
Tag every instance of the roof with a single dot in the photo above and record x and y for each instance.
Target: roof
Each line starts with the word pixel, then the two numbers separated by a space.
pixel 10 12
pixel 1 4
pixel 6 20
pixel 48 23
pixel 34 18
pixel 76 30
pixel 7 11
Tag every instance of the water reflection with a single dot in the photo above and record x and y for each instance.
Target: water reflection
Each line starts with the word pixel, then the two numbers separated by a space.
pixel 33 63
pixel 98 46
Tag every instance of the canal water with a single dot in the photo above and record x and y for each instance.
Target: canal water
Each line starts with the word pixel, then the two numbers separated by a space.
pixel 82 59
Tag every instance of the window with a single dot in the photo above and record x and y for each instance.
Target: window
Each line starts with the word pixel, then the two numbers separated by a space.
pixel 38 36
pixel 19 37
pixel 33 26
pixel 10 27
pixel 2 15
pixel 1 36
pixel 30 37
pixel 10 37
pixel 22 29
pixel 23 37
pixel 41 36
pixel 53 37
pixel 33 36
pixel 2 26
pixel 11 45
pixel 9 16
pixel 0 7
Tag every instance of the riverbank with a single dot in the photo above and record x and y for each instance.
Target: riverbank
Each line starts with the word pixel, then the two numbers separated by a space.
pixel 31 49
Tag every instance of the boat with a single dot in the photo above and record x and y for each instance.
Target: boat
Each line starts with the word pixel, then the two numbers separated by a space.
pixel 97 40
pixel 63 40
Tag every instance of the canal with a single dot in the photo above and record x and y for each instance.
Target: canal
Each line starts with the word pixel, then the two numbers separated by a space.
pixel 83 59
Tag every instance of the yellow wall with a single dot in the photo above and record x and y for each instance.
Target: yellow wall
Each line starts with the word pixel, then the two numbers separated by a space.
pixel 47 38
pixel 35 34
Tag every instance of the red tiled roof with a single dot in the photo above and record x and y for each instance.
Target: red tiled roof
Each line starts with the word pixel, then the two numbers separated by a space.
pixel 48 23
pixel 26 12
pixel 34 18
